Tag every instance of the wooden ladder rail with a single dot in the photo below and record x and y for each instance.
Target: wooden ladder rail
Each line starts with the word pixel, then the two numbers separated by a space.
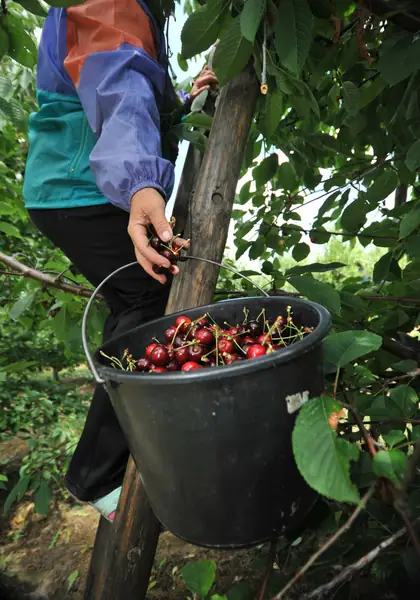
pixel 124 551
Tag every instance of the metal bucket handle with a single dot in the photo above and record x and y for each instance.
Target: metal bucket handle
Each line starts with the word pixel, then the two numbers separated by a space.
pixel 95 292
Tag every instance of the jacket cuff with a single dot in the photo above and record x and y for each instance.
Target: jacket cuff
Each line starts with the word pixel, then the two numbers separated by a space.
pixel 146 184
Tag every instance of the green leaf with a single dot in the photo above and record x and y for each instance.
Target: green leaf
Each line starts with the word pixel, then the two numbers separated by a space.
pixel 346 346
pixel 12 496
pixel 4 42
pixel 351 98
pixel 9 229
pixel 293 31
pixel 400 60
pixel 240 591
pixel 34 7
pixel 286 177
pixel 265 170
pixel 328 469
pixel 273 113
pixel 12 110
pixel 199 576
pixel 328 204
pixel 383 186
pixel 217 597
pixel 410 222
pixel 64 3
pixel 250 18
pixel 394 437
pixel 21 46
pixel 391 464
pixel 301 251
pixel 315 268
pixel 404 366
pixel 182 63
pixel 405 398
pixel 413 156
pixel 42 498
pixel 201 28
pixel 22 304
pixel 386 269
pixel 232 53
pixel 317 291
pixel 198 120
pixel 354 215
pixel 71 579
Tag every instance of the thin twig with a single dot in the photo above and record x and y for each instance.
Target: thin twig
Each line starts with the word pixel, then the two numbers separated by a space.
pixel 388 422
pixel 279 292
pixel 349 571
pixel 366 435
pixel 46 280
pixel 342 233
pixel 328 544
pixel 268 570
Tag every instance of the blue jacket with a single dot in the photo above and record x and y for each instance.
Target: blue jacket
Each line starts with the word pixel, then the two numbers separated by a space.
pixel 101 85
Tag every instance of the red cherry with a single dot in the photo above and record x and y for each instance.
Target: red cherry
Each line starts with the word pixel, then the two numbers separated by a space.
pixel 211 361
pixel 182 322
pixel 204 336
pixel 156 369
pixel 263 339
pixel 191 366
pixel 170 333
pixel 191 332
pixel 196 352
pixel 276 347
pixel 150 349
pixel 225 346
pixel 143 364
pixel 173 365
pixel 231 358
pixel 169 255
pixel 249 340
pixel 255 351
pixel 203 322
pixel 182 355
pixel 313 239
pixel 159 356
pixel 247 346
pixel 234 331
pixel 179 341
pixel 155 243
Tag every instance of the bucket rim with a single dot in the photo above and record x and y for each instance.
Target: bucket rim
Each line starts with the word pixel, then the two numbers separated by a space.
pixel 236 369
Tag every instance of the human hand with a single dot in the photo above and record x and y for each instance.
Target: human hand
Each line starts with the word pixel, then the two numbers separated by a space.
pixel 203 82
pixel 148 208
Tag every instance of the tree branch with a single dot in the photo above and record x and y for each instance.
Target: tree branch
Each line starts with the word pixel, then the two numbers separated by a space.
pixel 44 279
pixel 268 570
pixel 328 544
pixel 380 8
pixel 349 571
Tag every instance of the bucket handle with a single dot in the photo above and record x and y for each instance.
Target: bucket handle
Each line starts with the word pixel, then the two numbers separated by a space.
pixel 95 292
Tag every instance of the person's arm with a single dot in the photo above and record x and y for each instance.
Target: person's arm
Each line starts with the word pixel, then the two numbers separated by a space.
pixel 111 60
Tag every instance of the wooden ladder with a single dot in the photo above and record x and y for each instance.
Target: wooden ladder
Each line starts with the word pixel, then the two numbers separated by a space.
pixel 124 551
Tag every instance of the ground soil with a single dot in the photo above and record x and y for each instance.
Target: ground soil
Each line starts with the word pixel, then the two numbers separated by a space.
pixel 39 555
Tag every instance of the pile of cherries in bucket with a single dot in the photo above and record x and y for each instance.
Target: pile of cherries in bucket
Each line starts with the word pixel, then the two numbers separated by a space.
pixel 191 345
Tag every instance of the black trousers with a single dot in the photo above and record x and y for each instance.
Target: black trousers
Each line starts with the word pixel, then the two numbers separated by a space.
pixel 96 241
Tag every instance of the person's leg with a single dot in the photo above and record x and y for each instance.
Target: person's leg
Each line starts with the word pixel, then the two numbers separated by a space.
pixel 96 241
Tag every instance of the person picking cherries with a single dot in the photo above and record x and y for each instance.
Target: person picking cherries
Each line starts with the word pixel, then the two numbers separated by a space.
pixel 99 172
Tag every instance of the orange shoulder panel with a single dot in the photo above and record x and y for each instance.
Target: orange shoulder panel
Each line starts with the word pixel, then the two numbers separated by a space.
pixel 103 25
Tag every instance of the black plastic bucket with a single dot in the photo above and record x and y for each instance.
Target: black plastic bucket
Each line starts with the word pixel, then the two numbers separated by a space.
pixel 213 447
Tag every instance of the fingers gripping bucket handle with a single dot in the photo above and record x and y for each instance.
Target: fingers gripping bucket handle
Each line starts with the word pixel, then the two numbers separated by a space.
pixel 86 350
